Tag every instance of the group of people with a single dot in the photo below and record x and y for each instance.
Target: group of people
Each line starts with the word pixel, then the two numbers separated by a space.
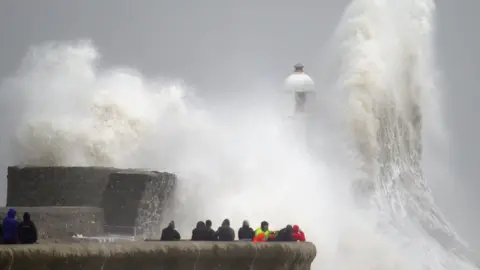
pixel 204 232
pixel 13 231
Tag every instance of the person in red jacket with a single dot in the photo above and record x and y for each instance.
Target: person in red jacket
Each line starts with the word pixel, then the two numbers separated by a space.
pixel 297 234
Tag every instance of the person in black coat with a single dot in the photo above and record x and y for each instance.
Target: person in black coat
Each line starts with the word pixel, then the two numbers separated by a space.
pixel 246 232
pixel 27 232
pixel 225 232
pixel 200 233
pixel 169 233
pixel 285 235
pixel 211 232
pixel 1 233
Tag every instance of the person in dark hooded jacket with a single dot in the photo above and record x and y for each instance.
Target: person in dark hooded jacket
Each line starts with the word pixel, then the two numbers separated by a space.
pixel 211 232
pixel 285 235
pixel 1 233
pixel 27 232
pixel 10 228
pixel 200 233
pixel 245 232
pixel 169 233
pixel 225 232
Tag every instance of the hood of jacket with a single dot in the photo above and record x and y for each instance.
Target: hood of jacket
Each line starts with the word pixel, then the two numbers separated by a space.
pixel 11 213
pixel 201 225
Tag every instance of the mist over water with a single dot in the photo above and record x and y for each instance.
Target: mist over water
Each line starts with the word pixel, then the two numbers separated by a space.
pixel 359 189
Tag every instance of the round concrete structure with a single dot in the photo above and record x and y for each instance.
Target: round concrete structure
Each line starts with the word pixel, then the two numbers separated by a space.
pixel 133 200
pixel 57 186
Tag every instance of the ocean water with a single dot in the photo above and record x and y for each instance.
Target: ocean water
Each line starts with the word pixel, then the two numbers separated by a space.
pixel 357 183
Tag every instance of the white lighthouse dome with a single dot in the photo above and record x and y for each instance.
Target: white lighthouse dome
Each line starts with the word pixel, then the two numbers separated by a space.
pixel 299 81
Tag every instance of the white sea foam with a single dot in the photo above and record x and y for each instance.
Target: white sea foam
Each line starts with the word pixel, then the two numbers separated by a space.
pixel 64 108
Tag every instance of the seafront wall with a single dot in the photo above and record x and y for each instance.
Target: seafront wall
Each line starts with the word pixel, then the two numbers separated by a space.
pixel 57 186
pixel 133 200
pixel 159 255
pixel 137 199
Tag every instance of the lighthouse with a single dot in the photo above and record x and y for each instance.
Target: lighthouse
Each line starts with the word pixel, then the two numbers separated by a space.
pixel 298 103
pixel 301 90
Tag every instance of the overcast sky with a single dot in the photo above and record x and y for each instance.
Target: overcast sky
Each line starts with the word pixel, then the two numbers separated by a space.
pixel 247 41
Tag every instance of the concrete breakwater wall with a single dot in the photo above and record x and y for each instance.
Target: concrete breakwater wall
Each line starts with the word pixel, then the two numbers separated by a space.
pixel 131 199
pixel 57 186
pixel 159 255
pixel 135 198
pixel 79 186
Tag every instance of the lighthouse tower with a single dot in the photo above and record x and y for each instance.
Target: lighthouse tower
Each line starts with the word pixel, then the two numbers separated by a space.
pixel 299 97
pixel 301 89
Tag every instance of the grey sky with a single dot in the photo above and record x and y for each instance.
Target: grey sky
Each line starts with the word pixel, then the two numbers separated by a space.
pixel 246 42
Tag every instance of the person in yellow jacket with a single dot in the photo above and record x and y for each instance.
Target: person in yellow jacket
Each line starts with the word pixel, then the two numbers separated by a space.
pixel 264 229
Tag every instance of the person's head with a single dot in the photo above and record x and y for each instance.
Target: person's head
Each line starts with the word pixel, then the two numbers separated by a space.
pixel 289 228
pixel 208 223
pixel 245 224
pixel 296 228
pixel 26 216
pixel 264 226
pixel 171 224
pixel 200 225
pixel 226 222
pixel 12 213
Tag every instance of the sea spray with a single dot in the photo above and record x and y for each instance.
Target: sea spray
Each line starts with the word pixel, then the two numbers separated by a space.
pixel 116 117
pixel 387 75
pixel 64 108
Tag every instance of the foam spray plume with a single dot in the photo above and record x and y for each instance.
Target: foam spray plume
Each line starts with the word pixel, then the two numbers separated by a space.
pixel 72 112
pixel 62 108
pixel 387 76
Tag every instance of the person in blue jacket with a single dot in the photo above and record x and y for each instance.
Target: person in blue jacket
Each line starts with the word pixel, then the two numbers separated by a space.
pixel 10 228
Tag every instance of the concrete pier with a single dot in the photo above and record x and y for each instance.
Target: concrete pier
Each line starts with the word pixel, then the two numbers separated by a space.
pixel 159 255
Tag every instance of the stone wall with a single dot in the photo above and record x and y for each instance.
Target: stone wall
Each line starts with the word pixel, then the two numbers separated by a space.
pixel 56 186
pixel 159 255
pixel 134 199
pixel 157 199
pixel 61 223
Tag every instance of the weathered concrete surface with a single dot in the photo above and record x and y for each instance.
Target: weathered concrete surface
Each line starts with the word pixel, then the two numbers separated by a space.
pixel 61 223
pixel 156 200
pixel 133 198
pixel 57 186
pixel 159 255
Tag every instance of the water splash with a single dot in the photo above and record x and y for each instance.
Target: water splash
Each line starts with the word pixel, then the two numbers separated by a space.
pixel 64 108
pixel 387 74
